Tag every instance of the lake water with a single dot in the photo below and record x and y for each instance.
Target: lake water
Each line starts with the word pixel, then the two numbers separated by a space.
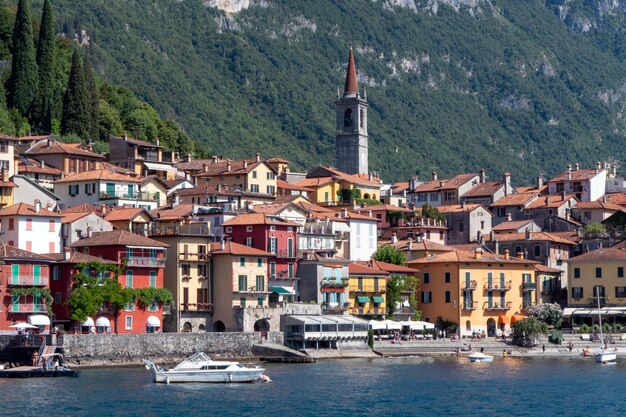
pixel 381 387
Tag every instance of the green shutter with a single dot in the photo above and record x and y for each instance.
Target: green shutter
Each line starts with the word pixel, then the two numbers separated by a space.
pixel 15 274
pixel 37 275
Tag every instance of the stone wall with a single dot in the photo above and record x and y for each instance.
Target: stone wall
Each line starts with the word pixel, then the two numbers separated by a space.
pixel 245 318
pixel 120 349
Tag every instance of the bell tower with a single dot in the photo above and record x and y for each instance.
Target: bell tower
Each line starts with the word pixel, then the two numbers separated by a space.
pixel 351 150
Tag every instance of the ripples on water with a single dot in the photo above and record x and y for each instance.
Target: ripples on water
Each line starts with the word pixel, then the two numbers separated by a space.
pixel 381 387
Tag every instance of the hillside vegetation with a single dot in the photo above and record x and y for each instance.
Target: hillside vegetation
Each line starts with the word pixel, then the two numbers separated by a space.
pixel 522 86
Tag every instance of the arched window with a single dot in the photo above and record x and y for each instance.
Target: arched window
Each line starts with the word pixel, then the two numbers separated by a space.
pixel 347 118
pixel 362 118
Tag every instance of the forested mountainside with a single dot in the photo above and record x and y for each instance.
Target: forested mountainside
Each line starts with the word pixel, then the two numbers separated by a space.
pixel 453 85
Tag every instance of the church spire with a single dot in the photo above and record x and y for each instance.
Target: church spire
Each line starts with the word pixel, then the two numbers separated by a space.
pixel 351 87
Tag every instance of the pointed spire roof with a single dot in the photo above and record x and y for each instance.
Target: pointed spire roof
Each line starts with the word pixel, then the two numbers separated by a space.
pixel 351 80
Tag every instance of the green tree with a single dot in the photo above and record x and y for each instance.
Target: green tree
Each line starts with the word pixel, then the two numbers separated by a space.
pixel 397 288
pixel 431 212
pixel 389 254
pixel 595 228
pixel 22 88
pixel 76 101
pixel 92 91
pixel 42 112
pixel 549 313
pixel 109 121
pixel 525 332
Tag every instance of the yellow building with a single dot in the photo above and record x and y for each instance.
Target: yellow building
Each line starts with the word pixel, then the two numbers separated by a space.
pixel 367 290
pixel 327 183
pixel 477 291
pixel 253 176
pixel 602 268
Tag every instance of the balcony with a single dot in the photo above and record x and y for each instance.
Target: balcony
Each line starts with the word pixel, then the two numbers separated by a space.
pixel 285 254
pixel 497 286
pixel 138 196
pixel 193 257
pixel 374 289
pixel 146 261
pixel 27 281
pixel 470 306
pixel 470 286
pixel 191 229
pixel 529 286
pixel 283 275
pixel 498 306
pixel 28 308
pixel 252 290
pixel 334 308
pixel 201 307
pixel 333 283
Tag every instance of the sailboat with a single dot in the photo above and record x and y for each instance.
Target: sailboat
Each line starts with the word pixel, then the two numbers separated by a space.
pixel 604 355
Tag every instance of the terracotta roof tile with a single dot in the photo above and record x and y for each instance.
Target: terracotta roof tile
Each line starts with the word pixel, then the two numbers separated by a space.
pixel 470 257
pixel 550 201
pixel 81 208
pixel 79 258
pixel 576 175
pixel 598 205
pixel 360 269
pixel 72 217
pixel 547 269
pixel 423 245
pixel 125 213
pixel 258 218
pixel 387 267
pixel 29 165
pixel 99 174
pixel 534 236
pixel 11 252
pixel 118 238
pixel 172 213
pixel 520 199
pixel 511 225
pixel 459 208
pixel 42 148
pixel 232 248
pixel 616 198
pixel 451 184
pixel 23 209
pixel 484 189
pixel 602 254
pixel 291 186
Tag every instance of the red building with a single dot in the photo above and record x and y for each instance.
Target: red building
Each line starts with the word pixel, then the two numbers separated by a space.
pixel 61 285
pixel 24 270
pixel 274 235
pixel 145 262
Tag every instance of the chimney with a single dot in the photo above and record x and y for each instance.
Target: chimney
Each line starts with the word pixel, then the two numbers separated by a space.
pixel 50 142
pixel 222 244
pixel 205 168
pixel 507 184
pixel 103 209
pixel 478 253
pixel 245 164
pixel 228 166
pixel 369 213
pixel 219 188
pixel 576 166
pixel 569 175
pixel 89 231
pixel 434 175
pixel 215 159
pixel 394 238
pixel 418 238
pixel 441 183
pixel 598 166
pixel 410 244
pixel 569 167
pixel 492 236
pixel 563 195
pixel 413 183
pixel 158 141
pixel 37 206
pixel 606 165
pixel 188 158
pixel 605 199
pixel 176 201
pixel 527 234
pixel 509 217
pixel 67 253
pixel 539 182
pixel 507 254
pixel 520 255
pixel 258 157
pixel 614 170
pixel 463 203
pixel 344 213
pixel 42 164
pixel 124 137
pixel 482 175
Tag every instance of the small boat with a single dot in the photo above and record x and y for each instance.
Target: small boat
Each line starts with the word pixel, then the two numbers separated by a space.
pixel 603 355
pixel 200 368
pixel 480 357
pixel 52 366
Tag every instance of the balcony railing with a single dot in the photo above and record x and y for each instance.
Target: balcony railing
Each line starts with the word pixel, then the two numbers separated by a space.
pixel 370 289
pixel 285 254
pixel 497 286
pixel 193 257
pixel 334 307
pixel 138 196
pixel 208 307
pixel 191 229
pixel 26 280
pixel 498 306
pixel 253 290
pixel 146 261
pixel 28 308
pixel 283 275
pixel 470 306
pixel 529 286
pixel 470 286
pixel 333 283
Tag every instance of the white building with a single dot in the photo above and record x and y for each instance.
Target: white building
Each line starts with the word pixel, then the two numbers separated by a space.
pixel 31 228
pixel 586 184
pixel 363 235
pixel 103 187
pixel 78 226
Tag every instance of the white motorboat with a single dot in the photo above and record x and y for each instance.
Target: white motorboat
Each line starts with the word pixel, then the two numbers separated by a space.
pixel 200 368
pixel 603 355
pixel 480 357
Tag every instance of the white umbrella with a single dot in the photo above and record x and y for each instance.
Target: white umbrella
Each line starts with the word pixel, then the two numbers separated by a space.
pixel 377 325
pixel 426 324
pixel 23 326
pixel 393 325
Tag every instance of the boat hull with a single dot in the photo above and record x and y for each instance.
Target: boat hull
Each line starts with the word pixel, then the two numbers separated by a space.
pixel 480 358
pixel 244 375
pixel 603 357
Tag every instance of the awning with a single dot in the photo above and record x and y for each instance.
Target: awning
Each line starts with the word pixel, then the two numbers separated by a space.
pixel 377 299
pixel 362 299
pixel 39 320
pixel 103 322
pixel 516 318
pixel 88 322
pixel 281 291
pixel 153 321
pixel 377 325
pixel 393 325
pixel 502 320
pixel 155 166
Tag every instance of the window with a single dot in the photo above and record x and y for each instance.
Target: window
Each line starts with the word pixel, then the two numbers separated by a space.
pixel 290 248
pixel 537 250
pixel 229 230
pixel 426 297
pixel 560 187
pixel 270 176
pixel 243 283
pixel 620 292
pixel 450 195
pixel 422 197
pixel 29 246
pixel 260 283
pixel 129 279
pixel 272 244
pixel 11 224
pixel 57 298
pixel 128 323
pixel 242 261
pixel 51 226
pixel 130 306
pixel 598 272
pixel 447 296
pixel 461 227
pixel 426 278
pixel 259 262
pixel 29 224
pixel 290 269
pixel 273 269
pixel 254 188
pixel 51 247
pixel 271 189
pixel 248 228
pixel 440 235
pixel 153 279
pixel 260 301
pixel 55 273
pixel 249 241
pixel 501 212
pixel 253 174
pixel 576 272
pixel 577 292
pixel 428 234
pixel 447 277
pixel 620 272
pixel 242 302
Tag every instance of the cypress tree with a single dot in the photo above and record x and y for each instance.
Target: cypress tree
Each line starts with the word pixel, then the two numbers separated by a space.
pixel 76 101
pixel 22 86
pixel 92 91
pixel 45 63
